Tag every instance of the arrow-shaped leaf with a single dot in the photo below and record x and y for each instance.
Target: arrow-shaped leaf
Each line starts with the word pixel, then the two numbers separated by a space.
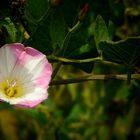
pixel 125 52
pixel 100 31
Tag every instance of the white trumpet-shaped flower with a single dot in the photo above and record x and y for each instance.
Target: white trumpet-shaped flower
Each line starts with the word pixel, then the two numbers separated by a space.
pixel 25 74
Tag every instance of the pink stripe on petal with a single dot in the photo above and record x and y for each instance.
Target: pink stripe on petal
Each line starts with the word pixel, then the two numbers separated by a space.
pixel 42 82
pixel 37 65
pixel 16 48
pixel 33 52
pixel 30 55
pixel 44 78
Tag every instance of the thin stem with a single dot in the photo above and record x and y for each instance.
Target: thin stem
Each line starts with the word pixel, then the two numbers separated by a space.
pixel 64 46
pixel 129 76
pixel 75 27
pixel 56 70
pixel 68 36
pixel 122 77
pixel 65 60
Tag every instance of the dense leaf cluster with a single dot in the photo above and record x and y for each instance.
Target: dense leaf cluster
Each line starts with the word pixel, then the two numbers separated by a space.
pixel 98 37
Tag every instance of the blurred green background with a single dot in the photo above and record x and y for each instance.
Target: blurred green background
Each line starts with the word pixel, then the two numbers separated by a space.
pixel 107 109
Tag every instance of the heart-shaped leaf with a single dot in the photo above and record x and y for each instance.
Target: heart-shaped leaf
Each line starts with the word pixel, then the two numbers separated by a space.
pixel 100 31
pixel 126 52
pixel 57 28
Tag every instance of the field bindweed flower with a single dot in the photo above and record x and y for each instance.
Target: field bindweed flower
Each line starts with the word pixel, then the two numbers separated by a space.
pixel 25 74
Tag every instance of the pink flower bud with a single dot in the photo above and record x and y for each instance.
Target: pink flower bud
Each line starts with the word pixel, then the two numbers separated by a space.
pixel 83 12
pixel 55 3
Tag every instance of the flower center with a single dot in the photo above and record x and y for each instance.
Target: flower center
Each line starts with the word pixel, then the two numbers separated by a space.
pixel 11 88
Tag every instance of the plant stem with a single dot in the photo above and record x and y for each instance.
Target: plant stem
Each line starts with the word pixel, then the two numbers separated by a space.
pixel 64 46
pixel 68 36
pixel 65 60
pixel 122 77
pixel 129 76
pixel 56 70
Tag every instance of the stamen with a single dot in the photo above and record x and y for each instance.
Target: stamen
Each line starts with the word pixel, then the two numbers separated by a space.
pixel 10 92
pixel 11 88
pixel 12 83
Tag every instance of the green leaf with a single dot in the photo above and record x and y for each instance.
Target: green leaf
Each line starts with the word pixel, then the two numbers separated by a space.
pixel 57 28
pixel 37 14
pixel 11 30
pixel 82 47
pixel 70 10
pixel 34 12
pixel 111 29
pixel 82 51
pixel 126 52
pixel 41 39
pixel 100 31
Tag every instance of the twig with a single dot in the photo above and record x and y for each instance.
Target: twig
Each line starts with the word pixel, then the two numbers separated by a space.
pixel 122 77
pixel 56 70
pixel 65 60
pixel 64 46
pixel 68 36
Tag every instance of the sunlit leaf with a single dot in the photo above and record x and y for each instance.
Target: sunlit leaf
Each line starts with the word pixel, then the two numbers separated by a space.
pixel 11 30
pixel 100 31
pixel 111 29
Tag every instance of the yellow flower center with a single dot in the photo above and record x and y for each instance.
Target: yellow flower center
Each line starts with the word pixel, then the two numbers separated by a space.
pixel 11 88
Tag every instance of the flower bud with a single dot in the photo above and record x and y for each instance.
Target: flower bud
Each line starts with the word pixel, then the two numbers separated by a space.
pixel 55 3
pixel 83 12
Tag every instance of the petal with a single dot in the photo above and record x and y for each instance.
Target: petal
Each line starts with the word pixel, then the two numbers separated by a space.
pixel 29 55
pixel 8 57
pixel 33 52
pixel 36 67
pixel 32 99
pixel 31 103
pixel 31 68
pixel 44 77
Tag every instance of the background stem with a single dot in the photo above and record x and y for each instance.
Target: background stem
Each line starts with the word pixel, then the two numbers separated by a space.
pixel 95 77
